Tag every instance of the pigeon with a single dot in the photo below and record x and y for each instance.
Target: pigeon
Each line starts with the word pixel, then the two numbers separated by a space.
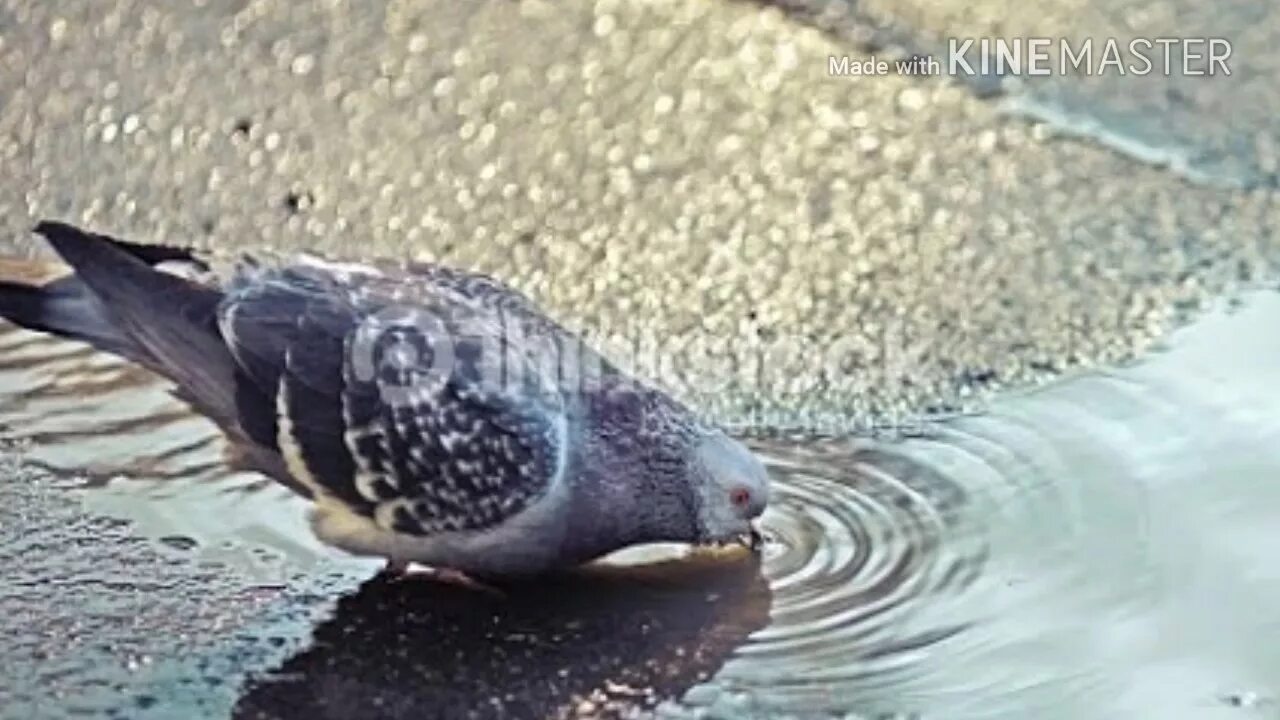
pixel 434 417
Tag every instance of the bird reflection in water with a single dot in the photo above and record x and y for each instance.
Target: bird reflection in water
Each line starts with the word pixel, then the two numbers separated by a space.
pixel 599 642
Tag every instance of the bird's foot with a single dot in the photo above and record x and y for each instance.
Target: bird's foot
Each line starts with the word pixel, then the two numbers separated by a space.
pixel 402 571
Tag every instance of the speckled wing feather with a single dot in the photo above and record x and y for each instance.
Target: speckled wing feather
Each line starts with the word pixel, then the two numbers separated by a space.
pixel 363 410
pixel 485 291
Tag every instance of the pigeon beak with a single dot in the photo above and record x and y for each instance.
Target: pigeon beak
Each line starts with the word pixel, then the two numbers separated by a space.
pixel 752 539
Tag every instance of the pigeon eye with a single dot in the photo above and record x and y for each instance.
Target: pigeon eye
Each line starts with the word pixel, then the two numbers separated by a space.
pixel 740 497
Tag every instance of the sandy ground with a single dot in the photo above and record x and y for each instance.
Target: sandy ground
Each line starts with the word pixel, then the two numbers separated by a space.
pixel 675 173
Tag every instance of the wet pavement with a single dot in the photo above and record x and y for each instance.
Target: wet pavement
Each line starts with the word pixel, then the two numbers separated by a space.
pixel 598 644
pixel 1097 543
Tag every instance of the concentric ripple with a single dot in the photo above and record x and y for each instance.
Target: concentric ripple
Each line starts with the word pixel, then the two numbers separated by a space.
pixel 1070 554
pixel 863 536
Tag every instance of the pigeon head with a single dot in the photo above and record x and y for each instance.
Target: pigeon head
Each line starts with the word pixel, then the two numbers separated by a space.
pixel 649 471
pixel 731 487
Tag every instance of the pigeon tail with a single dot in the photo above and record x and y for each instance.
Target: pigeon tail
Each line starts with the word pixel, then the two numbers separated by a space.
pixel 65 307
pixel 118 302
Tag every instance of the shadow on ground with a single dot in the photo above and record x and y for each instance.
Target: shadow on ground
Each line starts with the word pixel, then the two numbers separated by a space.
pixel 598 643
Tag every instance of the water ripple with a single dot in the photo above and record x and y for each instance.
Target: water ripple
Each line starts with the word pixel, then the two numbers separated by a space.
pixel 1065 555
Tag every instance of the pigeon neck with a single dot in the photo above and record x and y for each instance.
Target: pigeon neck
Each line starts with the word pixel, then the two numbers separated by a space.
pixel 629 483
pixel 604 518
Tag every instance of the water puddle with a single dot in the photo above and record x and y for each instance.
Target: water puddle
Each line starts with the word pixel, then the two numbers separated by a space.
pixel 1100 548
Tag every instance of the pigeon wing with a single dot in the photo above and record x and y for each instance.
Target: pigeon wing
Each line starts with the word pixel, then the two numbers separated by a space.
pixel 405 400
